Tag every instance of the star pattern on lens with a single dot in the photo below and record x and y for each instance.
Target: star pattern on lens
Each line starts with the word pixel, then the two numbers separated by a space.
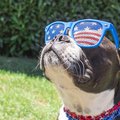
pixel 53 30
pixel 87 26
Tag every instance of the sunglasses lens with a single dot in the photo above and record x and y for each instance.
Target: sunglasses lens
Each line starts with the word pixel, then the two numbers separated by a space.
pixel 87 33
pixel 54 30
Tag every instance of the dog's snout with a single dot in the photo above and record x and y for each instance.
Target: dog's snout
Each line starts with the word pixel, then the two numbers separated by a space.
pixel 62 38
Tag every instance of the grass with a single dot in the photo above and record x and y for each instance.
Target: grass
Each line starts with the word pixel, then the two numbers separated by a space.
pixel 24 93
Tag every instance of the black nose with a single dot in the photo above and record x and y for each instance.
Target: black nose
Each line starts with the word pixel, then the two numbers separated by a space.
pixel 62 38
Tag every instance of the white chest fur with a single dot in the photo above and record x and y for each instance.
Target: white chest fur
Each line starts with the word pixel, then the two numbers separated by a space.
pixel 62 115
pixel 77 100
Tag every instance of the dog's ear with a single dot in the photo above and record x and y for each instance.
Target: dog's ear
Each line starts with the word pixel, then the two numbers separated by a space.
pixel 119 56
pixel 118 80
pixel 119 52
pixel 118 73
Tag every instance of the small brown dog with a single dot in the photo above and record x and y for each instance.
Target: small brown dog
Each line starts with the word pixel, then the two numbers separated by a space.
pixel 86 78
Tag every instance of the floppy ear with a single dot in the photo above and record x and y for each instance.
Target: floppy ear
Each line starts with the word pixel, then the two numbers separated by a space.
pixel 118 66
pixel 119 52
pixel 119 57
pixel 117 91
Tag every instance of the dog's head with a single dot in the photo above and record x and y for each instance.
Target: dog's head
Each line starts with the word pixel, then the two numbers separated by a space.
pixel 90 69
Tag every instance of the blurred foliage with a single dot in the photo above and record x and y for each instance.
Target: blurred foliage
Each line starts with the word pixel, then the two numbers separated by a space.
pixel 22 22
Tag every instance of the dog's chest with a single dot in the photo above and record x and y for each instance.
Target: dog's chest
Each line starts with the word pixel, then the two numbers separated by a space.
pixel 85 103
pixel 77 100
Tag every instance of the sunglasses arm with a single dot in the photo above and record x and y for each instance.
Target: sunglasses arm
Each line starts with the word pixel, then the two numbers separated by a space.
pixel 115 35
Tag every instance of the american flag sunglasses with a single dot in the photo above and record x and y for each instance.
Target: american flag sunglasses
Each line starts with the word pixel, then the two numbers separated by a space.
pixel 86 33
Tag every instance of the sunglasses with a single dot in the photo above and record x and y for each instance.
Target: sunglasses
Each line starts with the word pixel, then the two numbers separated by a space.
pixel 87 33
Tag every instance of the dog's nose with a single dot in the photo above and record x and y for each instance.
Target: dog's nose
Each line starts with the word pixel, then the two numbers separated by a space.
pixel 61 38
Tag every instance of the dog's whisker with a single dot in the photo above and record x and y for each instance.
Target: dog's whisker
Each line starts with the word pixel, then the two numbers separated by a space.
pixel 83 67
pixel 67 66
pixel 77 71
pixel 72 66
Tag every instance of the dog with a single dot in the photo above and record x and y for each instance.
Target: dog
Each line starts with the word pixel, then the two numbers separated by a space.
pixel 87 78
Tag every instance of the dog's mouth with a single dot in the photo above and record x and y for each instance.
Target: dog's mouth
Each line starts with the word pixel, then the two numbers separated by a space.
pixel 63 52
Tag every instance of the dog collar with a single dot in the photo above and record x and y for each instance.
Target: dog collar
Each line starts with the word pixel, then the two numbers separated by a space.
pixel 110 114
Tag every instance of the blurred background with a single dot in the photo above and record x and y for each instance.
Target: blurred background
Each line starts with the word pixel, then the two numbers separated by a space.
pixel 24 93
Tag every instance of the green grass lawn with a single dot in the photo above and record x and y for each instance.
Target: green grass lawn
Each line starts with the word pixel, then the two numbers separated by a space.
pixel 24 93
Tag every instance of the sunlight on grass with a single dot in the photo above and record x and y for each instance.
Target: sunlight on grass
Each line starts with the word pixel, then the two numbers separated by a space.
pixel 27 98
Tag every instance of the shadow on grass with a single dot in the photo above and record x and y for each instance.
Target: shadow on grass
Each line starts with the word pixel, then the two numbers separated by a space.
pixel 20 65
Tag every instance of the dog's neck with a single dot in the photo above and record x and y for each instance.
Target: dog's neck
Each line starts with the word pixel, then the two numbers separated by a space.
pixel 88 103
pixel 78 100
pixel 85 103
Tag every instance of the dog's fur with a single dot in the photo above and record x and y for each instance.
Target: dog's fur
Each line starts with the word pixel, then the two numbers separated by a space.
pixel 86 78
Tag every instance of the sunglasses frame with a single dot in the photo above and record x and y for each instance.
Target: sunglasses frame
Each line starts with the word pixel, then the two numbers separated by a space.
pixel 107 26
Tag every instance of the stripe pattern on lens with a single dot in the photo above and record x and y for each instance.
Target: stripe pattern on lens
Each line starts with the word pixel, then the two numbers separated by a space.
pixel 87 33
